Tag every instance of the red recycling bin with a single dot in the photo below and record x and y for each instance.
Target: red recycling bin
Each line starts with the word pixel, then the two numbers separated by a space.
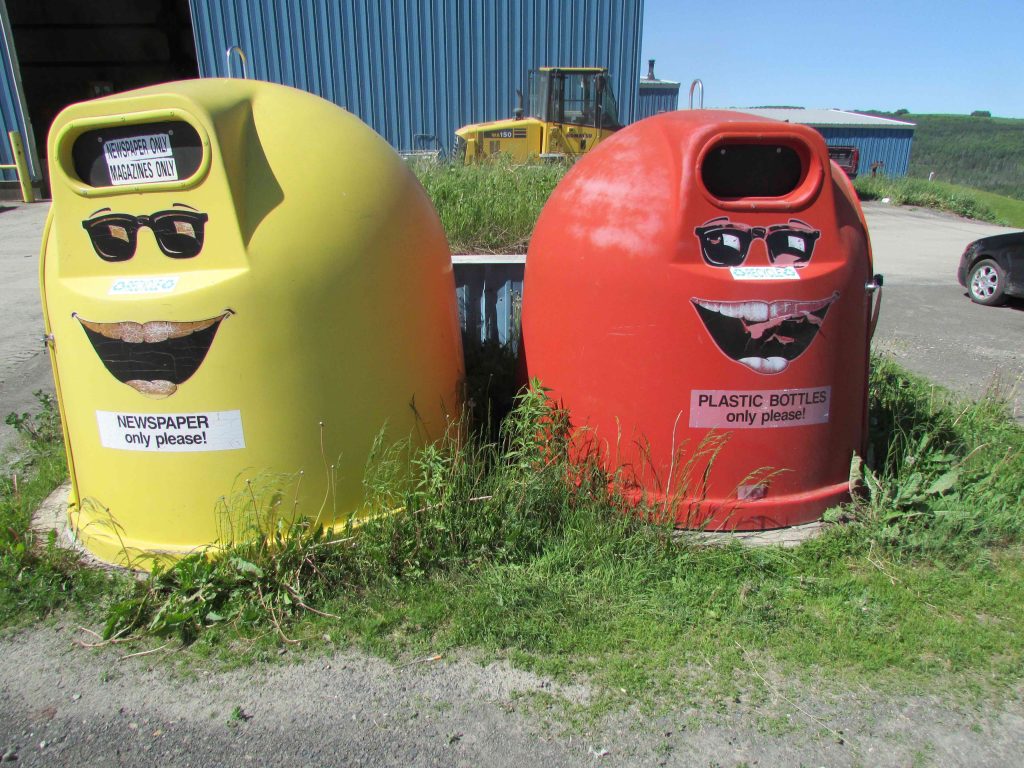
pixel 698 294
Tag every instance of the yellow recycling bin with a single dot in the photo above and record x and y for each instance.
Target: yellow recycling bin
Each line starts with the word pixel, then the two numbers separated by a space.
pixel 238 279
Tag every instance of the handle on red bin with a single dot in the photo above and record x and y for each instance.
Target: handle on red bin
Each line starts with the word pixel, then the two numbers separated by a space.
pixel 874 289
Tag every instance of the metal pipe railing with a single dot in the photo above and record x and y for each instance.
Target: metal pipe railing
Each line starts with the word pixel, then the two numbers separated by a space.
pixel 241 56
pixel 693 86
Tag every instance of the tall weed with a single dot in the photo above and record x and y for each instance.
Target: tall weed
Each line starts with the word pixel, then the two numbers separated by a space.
pixel 510 541
pixel 945 477
pixel 943 481
pixel 36 576
pixel 467 501
pixel 489 207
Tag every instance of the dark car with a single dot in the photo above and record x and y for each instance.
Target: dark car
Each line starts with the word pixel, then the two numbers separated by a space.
pixel 992 268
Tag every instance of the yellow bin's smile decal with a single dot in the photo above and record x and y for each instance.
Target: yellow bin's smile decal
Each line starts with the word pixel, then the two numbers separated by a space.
pixel 155 357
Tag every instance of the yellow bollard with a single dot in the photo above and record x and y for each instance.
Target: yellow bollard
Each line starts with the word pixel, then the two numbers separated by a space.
pixel 21 166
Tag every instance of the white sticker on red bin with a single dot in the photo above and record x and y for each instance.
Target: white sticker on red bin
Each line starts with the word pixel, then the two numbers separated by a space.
pixel 759 408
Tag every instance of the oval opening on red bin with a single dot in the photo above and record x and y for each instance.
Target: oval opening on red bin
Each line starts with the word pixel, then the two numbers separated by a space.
pixel 748 172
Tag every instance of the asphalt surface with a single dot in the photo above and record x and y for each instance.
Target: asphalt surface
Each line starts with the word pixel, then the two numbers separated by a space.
pixel 24 364
pixel 927 322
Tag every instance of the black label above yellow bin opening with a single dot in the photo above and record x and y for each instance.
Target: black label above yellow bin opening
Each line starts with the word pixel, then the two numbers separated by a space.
pixel 147 153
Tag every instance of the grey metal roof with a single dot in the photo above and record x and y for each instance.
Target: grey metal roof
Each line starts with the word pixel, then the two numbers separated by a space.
pixel 828 117
pixel 645 83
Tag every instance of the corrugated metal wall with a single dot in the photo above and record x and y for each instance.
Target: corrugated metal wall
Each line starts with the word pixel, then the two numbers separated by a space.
pixel 410 67
pixel 490 295
pixel 886 145
pixel 655 100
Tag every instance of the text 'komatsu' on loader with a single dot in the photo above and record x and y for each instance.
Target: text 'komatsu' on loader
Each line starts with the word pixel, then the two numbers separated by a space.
pixel 572 109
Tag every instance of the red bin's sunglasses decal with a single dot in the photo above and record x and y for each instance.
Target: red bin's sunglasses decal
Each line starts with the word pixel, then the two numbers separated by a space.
pixel 178 232
pixel 725 243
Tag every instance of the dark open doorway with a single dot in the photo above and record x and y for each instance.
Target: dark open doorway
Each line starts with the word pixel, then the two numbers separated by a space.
pixel 70 51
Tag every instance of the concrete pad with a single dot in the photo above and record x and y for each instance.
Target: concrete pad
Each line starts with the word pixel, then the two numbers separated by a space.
pixel 787 538
pixel 52 515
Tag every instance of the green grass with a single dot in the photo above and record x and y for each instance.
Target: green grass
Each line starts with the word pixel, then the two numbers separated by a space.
pixel 1007 210
pixel 641 622
pixel 36 577
pixel 985 153
pixel 963 201
pixel 490 207
pixel 510 548
pixel 978 164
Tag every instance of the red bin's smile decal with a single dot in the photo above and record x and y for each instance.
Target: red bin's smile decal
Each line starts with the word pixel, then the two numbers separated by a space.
pixel 155 357
pixel 764 336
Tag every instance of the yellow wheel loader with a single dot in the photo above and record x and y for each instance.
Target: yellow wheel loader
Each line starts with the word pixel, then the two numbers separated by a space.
pixel 572 109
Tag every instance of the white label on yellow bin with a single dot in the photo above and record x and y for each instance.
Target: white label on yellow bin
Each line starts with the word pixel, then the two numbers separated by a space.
pixel 140 159
pixel 171 432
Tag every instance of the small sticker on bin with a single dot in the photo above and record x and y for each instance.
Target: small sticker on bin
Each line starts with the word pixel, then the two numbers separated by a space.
pixel 140 159
pixel 133 286
pixel 759 408
pixel 171 432
pixel 764 273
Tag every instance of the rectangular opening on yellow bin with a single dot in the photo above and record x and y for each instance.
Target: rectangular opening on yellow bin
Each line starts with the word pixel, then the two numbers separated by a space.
pixel 164 151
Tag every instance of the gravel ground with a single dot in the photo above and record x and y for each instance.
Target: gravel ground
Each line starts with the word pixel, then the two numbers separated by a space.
pixel 928 323
pixel 63 705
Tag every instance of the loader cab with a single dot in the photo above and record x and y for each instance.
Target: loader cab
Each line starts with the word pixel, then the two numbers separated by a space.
pixel 577 96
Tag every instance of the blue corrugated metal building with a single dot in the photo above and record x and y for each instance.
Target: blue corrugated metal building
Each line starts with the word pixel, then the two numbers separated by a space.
pixel 414 70
pixel 883 143
pixel 656 95
pixel 13 114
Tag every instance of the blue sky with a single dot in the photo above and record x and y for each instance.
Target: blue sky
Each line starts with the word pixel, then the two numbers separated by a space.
pixel 929 57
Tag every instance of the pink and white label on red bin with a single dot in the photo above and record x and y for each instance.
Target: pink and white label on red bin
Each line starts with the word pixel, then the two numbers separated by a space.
pixel 759 408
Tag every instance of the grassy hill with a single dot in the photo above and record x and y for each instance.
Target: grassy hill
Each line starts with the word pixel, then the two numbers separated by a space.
pixel 982 152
